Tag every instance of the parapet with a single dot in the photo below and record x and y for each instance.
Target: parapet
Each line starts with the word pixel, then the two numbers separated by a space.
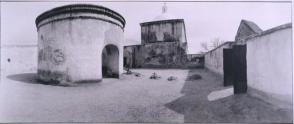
pixel 81 11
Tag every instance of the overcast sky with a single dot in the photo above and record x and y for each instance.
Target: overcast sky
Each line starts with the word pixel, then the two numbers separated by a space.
pixel 204 21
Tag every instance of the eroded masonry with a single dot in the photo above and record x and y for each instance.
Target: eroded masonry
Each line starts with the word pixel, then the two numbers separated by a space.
pixel 163 45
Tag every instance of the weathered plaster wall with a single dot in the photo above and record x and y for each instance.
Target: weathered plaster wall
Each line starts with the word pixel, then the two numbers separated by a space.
pixel 213 60
pixel 163 45
pixel 23 59
pixel 133 56
pixel 157 55
pixel 269 63
pixel 163 31
pixel 71 49
pixel 128 56
pixel 163 55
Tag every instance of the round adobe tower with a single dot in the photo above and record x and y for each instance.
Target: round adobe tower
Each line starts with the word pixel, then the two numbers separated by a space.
pixel 79 42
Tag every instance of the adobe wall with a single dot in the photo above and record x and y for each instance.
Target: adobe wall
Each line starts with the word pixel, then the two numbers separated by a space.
pixel 213 60
pixel 70 44
pixel 269 65
pixel 16 59
pixel 157 55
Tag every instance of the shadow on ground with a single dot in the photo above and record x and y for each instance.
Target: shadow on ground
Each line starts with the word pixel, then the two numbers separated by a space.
pixel 30 78
pixel 242 108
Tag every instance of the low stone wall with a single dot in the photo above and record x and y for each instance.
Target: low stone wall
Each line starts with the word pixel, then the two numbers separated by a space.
pixel 269 65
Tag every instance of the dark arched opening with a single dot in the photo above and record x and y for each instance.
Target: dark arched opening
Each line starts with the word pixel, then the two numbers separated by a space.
pixel 110 62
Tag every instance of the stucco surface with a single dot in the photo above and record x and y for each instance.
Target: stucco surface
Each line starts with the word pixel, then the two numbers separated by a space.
pixel 71 49
pixel 214 59
pixel 269 65
pixel 22 59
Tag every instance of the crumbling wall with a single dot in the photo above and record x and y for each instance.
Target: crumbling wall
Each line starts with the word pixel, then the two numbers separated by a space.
pixel 163 55
pixel 213 60
pixel 133 57
pixel 269 63
pixel 157 55
pixel 128 56
pixel 163 31
pixel 163 46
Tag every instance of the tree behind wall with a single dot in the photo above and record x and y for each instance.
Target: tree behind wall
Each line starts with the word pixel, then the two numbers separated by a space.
pixel 214 43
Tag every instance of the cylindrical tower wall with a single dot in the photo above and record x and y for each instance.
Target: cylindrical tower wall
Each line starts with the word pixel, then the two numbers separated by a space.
pixel 71 39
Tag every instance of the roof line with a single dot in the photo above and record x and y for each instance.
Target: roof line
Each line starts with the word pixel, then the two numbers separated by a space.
pixel 84 8
pixel 246 22
pixel 159 21
pixel 271 30
pixel 219 46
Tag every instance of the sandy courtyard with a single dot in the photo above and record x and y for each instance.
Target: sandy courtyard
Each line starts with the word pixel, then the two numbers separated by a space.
pixel 112 100
pixel 131 99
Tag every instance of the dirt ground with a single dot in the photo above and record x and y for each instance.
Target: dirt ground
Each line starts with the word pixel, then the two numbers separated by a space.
pixel 131 99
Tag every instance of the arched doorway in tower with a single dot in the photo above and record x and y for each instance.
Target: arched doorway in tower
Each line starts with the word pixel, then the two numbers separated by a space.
pixel 110 61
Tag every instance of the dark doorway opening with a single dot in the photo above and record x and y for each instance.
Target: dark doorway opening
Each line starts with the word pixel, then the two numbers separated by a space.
pixel 125 62
pixel 235 68
pixel 110 62
pixel 228 67
pixel 240 69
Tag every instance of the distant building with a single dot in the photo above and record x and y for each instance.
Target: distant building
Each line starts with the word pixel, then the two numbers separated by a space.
pixel 164 28
pixel 246 28
pixel 163 44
